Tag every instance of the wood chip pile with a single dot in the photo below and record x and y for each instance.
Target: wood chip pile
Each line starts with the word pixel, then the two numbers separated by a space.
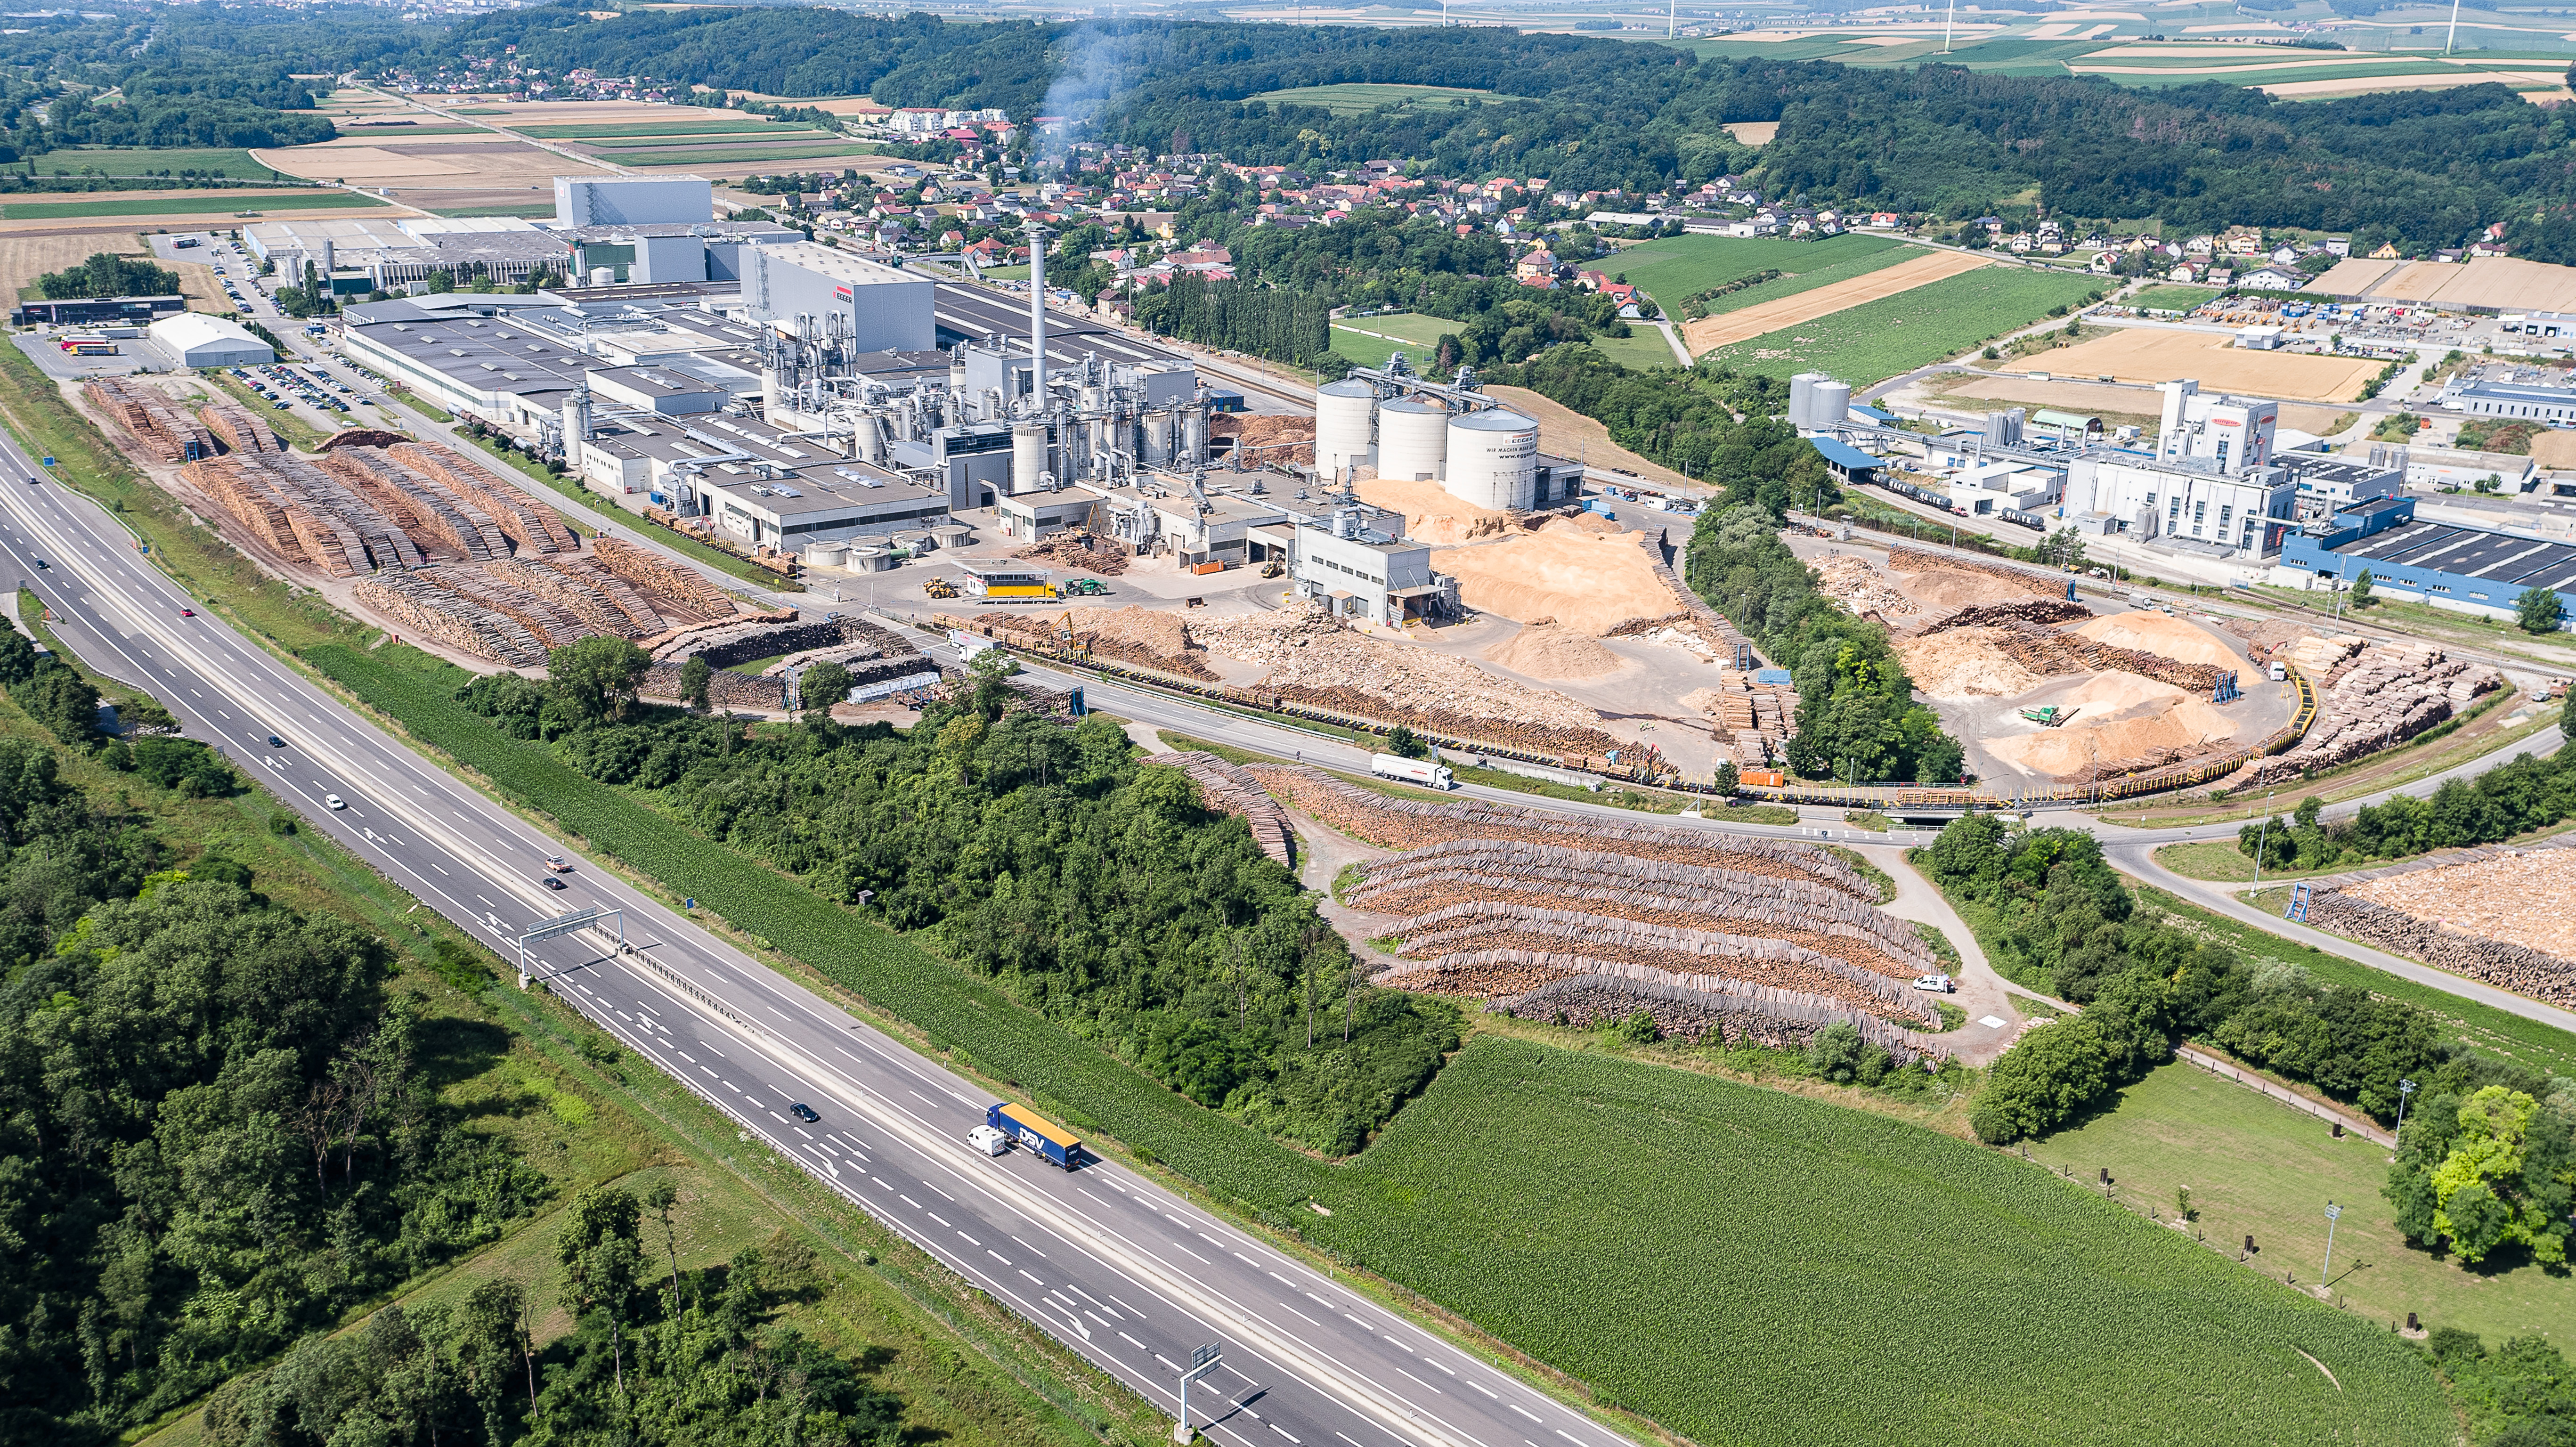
pixel 2047 651
pixel 1148 637
pixel 1265 436
pixel 1915 560
pixel 2381 696
pixel 1549 876
pixel 1442 935
pixel 1226 789
pixel 158 424
pixel 1862 589
pixel 1698 1008
pixel 1087 551
pixel 1393 823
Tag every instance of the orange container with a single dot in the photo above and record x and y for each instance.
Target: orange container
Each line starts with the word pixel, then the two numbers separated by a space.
pixel 1209 568
pixel 1766 778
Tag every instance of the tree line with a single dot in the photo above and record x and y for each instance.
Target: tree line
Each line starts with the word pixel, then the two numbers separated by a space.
pixel 1041 853
pixel 2528 793
pixel 1271 322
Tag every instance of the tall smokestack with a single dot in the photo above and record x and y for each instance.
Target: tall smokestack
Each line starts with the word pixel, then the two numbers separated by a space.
pixel 1038 236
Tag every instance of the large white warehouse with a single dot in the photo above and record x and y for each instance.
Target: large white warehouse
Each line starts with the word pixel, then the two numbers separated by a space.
pixel 199 340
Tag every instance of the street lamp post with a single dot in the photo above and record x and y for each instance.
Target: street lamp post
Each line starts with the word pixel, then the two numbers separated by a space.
pixel 2262 837
pixel 2333 1214
pixel 2405 1088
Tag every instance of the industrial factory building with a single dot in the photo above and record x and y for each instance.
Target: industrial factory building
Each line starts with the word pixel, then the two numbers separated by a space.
pixel 2467 570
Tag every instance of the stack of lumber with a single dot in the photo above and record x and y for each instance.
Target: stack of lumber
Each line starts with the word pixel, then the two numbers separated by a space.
pixel 434 518
pixel 678 587
pixel 1548 876
pixel 252 496
pixel 549 622
pixel 238 427
pixel 527 522
pixel 1393 823
pixel 156 422
pixel 644 618
pixel 426 610
pixel 1225 788
pixel 591 606
pixel 2382 695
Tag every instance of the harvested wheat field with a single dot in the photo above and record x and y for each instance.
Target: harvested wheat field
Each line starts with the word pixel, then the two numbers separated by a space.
pixel 2151 355
pixel 1962 664
pixel 1709 333
pixel 2118 718
pixel 2553 448
pixel 1557 653
pixel 2162 634
pixel 1431 513
pixel 1585 582
pixel 2520 899
pixel 24 258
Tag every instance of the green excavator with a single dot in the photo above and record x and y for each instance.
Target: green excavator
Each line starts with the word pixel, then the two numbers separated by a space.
pixel 2049 717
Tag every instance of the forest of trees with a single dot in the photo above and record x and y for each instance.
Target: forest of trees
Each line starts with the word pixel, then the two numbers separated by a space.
pixel 107 274
pixel 1273 322
pixel 1046 856
pixel 2526 794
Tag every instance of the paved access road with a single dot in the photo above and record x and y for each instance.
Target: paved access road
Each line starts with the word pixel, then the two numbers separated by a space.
pixel 1123 1272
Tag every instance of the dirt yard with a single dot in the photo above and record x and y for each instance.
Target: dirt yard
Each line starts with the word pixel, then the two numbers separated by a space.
pixel 2520 898
pixel 2148 354
pixel 2116 717
pixel 1709 333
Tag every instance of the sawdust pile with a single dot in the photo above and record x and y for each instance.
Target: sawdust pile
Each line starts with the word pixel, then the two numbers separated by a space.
pixel 2517 898
pixel 2118 719
pixel 1861 588
pixel 1942 588
pixel 1304 647
pixel 1589 584
pixel 1962 664
pixel 1266 437
pixel 1551 651
pixel 2151 632
pixel 1431 515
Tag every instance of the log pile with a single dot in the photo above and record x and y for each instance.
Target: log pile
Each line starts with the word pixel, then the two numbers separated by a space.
pixel 1226 789
pixel 2041 611
pixel 1550 876
pixel 552 624
pixel 667 582
pixel 1393 823
pixel 1489 925
pixel 2380 696
pixel 527 522
pixel 426 610
pixel 156 423
pixel 432 517
pixel 1087 551
pixel 2507 966
pixel 238 427
pixel 2047 651
pixel 1699 1009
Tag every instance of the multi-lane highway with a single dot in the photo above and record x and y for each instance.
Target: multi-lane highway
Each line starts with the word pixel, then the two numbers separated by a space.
pixel 1125 1273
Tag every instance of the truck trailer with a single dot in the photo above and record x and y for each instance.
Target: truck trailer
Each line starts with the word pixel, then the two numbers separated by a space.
pixel 1412 771
pixel 1053 1143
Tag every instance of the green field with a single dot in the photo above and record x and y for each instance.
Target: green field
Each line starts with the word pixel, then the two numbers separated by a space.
pixel 2256 1167
pixel 725 157
pixel 1677 266
pixel 786 134
pixel 1877 340
pixel 2174 298
pixel 127 161
pixel 403 132
pixel 1642 347
pixel 1353 98
pixel 1421 334
pixel 1749 1266
pixel 713 125
pixel 186 203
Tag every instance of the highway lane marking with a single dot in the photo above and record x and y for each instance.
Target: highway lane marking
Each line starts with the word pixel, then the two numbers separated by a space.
pixel 1033 1281
pixel 1140 1346
pixel 1526 1412
pixel 989 1251
pixel 1282 1431
pixel 1488 1391
pixel 1033 1250
pixel 1185 1251
pixel 1417 1381
pixel 1301 1316
pixel 907 1200
pixel 969 1240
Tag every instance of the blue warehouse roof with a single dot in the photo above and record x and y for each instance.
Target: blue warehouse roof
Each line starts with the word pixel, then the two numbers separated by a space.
pixel 1843 454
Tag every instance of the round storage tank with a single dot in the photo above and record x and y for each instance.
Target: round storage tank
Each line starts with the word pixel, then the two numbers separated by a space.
pixel 1028 456
pixel 870 560
pixel 1802 397
pixel 1412 438
pixel 1493 460
pixel 951 535
pixel 1829 405
pixel 827 555
pixel 1345 415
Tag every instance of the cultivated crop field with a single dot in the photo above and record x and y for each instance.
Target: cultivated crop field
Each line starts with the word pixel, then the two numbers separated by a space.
pixel 739 139
pixel 730 157
pixel 1920 269
pixel 127 161
pixel 712 125
pixel 1369 341
pixel 1352 98
pixel 188 204
pixel 1730 1260
pixel 1677 266
pixel 1877 340
pixel 2173 298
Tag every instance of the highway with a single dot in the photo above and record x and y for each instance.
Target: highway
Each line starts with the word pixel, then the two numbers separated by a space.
pixel 1123 1272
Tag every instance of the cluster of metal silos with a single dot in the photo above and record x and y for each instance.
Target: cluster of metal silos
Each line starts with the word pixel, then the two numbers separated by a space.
pixel 1487 456
pixel 1817 402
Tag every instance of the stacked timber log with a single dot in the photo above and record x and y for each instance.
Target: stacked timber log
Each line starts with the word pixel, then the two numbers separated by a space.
pixel 527 522
pixel 1087 551
pixel 252 496
pixel 157 423
pixel 552 624
pixel 2505 965
pixel 238 427
pixel 1712 625
pixel 424 609
pixel 2036 610
pixel 2046 651
pixel 1551 876
pixel 1413 824
pixel 693 594
pixel 1226 789
pixel 1698 1009
pixel 2382 695
pixel 431 516
pixel 643 617
pixel 1485 925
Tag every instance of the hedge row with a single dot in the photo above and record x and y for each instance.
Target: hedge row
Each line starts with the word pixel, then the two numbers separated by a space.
pixel 1091 1090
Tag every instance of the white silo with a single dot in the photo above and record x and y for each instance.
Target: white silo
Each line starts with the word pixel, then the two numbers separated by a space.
pixel 1829 404
pixel 1493 460
pixel 1028 456
pixel 1802 396
pixel 1412 438
pixel 1345 414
